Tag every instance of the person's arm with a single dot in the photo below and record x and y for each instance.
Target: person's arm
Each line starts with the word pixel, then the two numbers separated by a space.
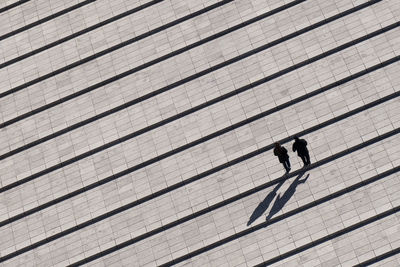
pixel 294 147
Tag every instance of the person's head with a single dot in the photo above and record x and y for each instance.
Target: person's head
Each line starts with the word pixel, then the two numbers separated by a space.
pixel 296 137
pixel 277 145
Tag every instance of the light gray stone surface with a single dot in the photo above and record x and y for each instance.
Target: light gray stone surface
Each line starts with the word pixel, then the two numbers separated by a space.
pixel 30 12
pixel 92 137
pixel 60 27
pixel 299 229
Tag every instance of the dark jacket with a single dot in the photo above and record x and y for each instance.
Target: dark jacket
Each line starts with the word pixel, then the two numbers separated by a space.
pixel 300 146
pixel 282 155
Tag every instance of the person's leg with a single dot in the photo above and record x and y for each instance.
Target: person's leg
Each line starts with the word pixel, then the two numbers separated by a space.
pixel 284 166
pixel 287 165
pixel 303 158
pixel 307 156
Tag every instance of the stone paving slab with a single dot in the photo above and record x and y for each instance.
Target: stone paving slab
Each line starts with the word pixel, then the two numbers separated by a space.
pixel 262 137
pixel 184 68
pixel 276 238
pixel 87 45
pixel 63 26
pixel 165 206
pixel 389 262
pixel 31 11
pixel 6 3
pixel 94 42
pixel 26 196
pixel 276 129
pixel 298 229
pixel 57 122
pixel 333 177
pixel 352 248
pixel 75 118
pixel 338 213
pixel 105 128
pixel 70 151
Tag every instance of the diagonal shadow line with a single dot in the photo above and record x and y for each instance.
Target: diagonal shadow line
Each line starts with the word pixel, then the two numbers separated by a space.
pixel 172 152
pixel 140 67
pixel 45 19
pixel 215 206
pixel 113 48
pixel 197 177
pixel 273 220
pixel 6 8
pixel 242 233
pixel 379 258
pixel 76 34
pixel 185 80
pixel 184 49
pixel 210 136
pixel 331 236
pixel 280 202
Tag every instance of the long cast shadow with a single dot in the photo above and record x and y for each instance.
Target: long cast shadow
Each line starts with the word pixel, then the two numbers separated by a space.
pixel 263 206
pixel 281 201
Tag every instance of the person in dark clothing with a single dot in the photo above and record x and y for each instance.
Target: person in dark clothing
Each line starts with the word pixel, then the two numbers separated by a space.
pixel 300 145
pixel 283 156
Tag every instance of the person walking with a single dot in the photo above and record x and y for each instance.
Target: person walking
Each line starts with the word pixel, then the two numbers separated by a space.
pixel 282 155
pixel 300 145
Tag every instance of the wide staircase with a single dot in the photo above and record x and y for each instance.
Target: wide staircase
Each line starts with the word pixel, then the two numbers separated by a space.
pixel 141 132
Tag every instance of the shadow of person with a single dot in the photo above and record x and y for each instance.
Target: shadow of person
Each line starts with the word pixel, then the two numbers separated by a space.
pixel 281 201
pixel 263 206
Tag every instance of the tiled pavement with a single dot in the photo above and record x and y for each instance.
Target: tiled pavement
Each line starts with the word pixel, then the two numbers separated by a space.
pixel 187 176
pixel 29 12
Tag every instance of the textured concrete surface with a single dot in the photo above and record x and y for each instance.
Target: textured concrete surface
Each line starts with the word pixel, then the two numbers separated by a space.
pixel 159 162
